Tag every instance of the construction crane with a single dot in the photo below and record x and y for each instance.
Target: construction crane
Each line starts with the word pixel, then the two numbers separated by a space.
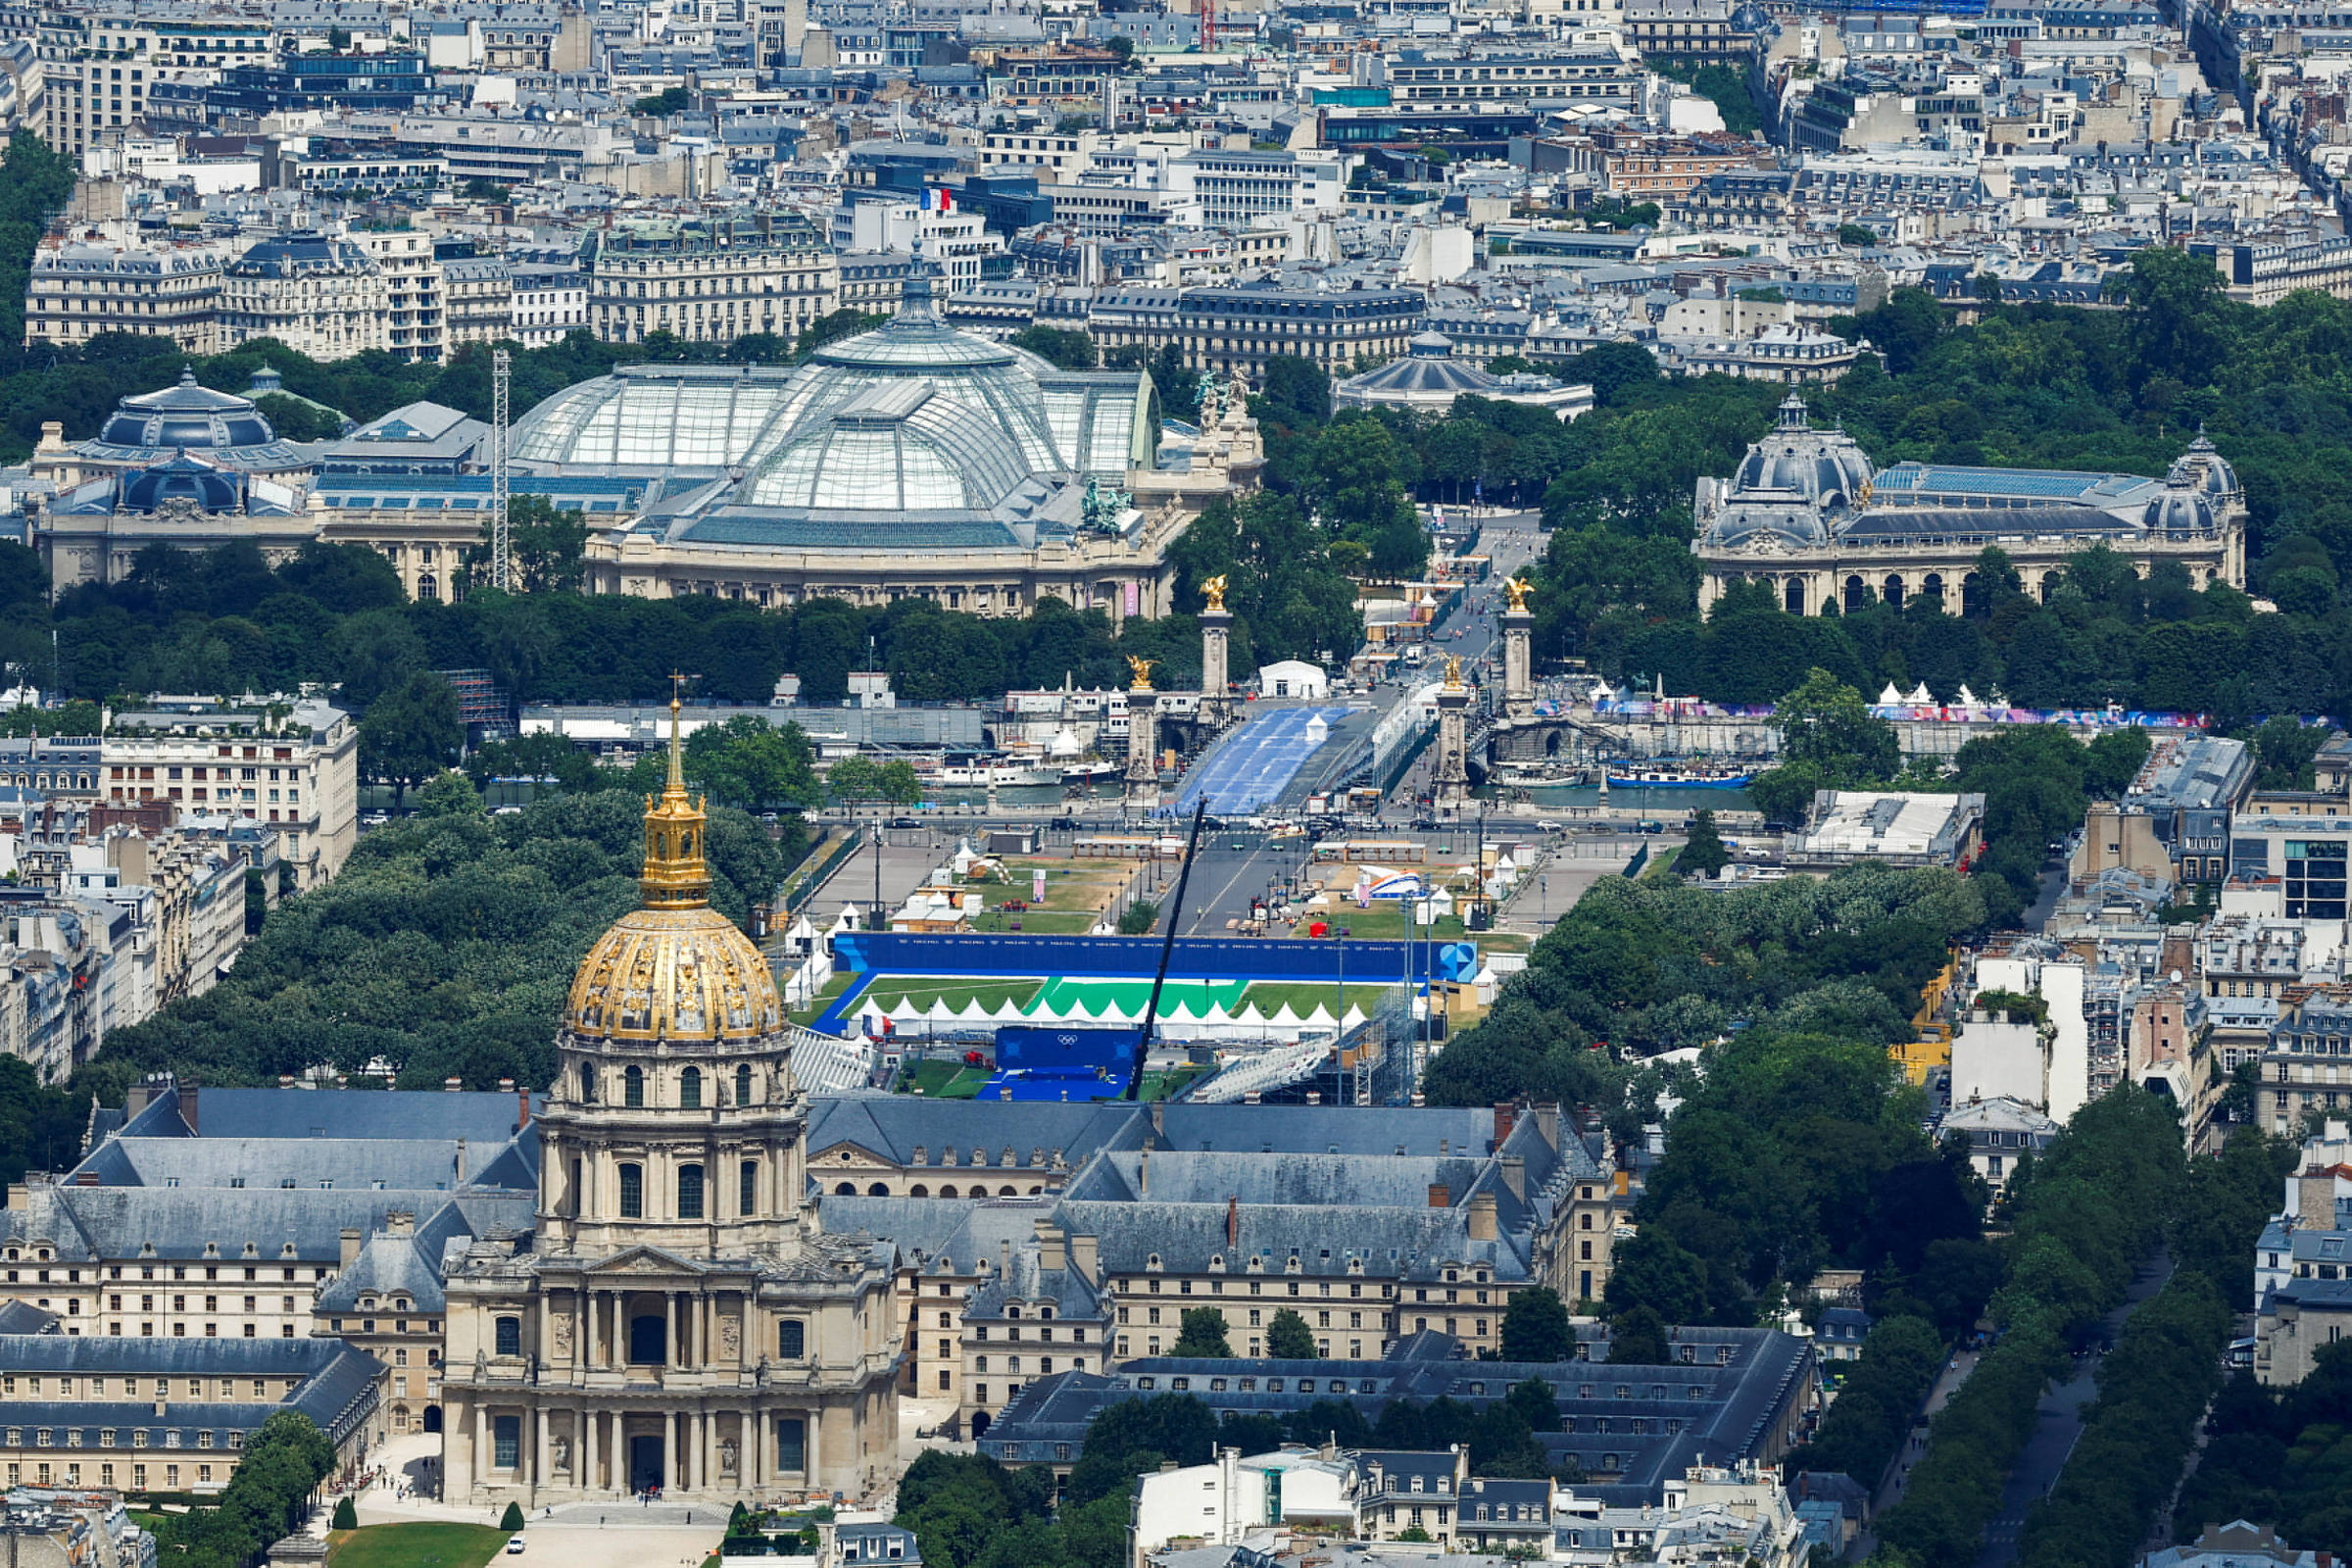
pixel 1208 26
pixel 502 528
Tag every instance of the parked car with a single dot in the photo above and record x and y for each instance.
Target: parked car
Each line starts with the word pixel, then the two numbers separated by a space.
pixel 1547 825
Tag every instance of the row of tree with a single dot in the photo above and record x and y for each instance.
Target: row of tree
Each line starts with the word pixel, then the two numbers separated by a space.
pixel 2166 1367
pixel 2083 1220
pixel 223 621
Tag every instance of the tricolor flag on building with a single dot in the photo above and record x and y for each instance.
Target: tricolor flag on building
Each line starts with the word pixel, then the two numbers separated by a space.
pixel 937 200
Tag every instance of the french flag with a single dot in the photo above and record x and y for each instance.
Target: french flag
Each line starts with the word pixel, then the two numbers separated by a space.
pixel 938 200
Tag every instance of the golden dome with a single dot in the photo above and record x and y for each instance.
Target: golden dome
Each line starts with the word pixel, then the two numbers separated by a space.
pixel 674 974
pixel 677 968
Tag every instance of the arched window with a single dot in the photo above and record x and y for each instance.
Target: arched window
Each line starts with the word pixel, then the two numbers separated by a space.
pixel 845 1190
pixel 1931 588
pixel 690 1088
pixel 948 1191
pixel 1893 590
pixel 632 1190
pixel 1792 597
pixel 1857 594
pixel 792 1339
pixel 877 1189
pixel 747 1189
pixel 588 1082
pixel 690 1192
pixel 509 1336
pixel 918 1189
pixel 632 1087
pixel 743 1084
pixel 427 588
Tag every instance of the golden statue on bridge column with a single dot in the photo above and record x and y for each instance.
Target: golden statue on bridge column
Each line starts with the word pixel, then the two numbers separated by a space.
pixel 1517 591
pixel 1142 670
pixel 1215 589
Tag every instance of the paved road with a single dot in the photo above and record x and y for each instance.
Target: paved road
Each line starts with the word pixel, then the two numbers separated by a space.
pixel 2061 1423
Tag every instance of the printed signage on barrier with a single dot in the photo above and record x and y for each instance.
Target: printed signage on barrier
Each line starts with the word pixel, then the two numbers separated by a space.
pixel 1036 885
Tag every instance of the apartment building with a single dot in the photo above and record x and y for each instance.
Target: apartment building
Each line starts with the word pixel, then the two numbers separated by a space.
pixel 550 297
pixel 2308 1068
pixel 80 290
pixel 299 779
pixel 479 294
pixel 707 279
pixel 873 281
pixel 1236 187
pixel 1573 76
pixel 416 325
pixel 320 295
pixel 1067 153
pixel 1238 329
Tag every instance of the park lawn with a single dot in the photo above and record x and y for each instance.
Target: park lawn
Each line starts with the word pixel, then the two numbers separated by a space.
pixel 1504 941
pixel 1040 922
pixel 421 1544
pixel 1067 887
pixel 888 993
pixel 1385 921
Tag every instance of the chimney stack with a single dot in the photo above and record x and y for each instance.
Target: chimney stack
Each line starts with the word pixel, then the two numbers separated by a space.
pixel 452 1084
pixel 350 1252
pixel 285 1080
pixel 1440 1196
pixel 2314 1198
pixel 188 1105
pixel 460 1162
pixel 1514 1176
pixel 1084 1255
pixel 1233 1219
pixel 506 1086
pixel 1507 1116
pixel 522 1111
pixel 1482 1218
pixel 1051 1253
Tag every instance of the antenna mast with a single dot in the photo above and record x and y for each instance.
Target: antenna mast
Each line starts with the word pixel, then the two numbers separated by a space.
pixel 501 528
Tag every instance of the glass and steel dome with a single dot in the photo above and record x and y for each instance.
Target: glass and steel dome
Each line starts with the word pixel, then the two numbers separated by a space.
pixel 148 429
pixel 896 448
pixel 654 417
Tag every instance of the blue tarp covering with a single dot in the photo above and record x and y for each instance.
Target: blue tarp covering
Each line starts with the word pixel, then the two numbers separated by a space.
pixel 1193 959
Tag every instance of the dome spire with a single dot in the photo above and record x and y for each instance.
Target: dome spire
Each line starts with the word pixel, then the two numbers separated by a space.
pixel 675 874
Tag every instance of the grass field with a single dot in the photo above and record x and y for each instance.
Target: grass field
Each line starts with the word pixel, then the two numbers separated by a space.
pixel 421 1544
pixel 949 1080
pixel 1304 997
pixel 826 995
pixel 886 994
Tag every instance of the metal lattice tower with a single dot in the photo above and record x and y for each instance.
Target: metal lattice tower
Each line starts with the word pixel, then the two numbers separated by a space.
pixel 501 528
